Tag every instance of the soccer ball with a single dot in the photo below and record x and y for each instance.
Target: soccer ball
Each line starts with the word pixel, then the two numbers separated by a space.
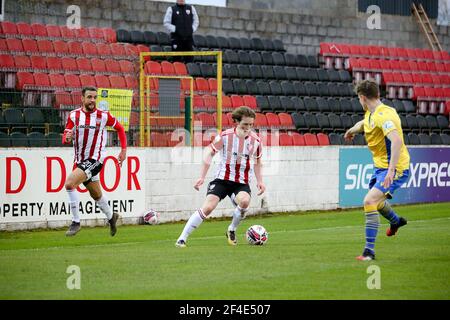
pixel 151 217
pixel 257 235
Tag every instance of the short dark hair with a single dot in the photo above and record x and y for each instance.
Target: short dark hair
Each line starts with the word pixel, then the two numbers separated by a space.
pixel 88 88
pixel 368 88
pixel 241 112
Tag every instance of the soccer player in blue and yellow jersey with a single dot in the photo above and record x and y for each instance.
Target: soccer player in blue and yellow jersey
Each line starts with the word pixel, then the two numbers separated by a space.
pixel 384 136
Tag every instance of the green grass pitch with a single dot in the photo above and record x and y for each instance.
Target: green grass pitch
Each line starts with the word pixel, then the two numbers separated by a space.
pixel 308 256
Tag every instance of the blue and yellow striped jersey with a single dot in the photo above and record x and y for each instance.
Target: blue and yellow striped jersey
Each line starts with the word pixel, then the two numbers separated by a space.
pixel 377 126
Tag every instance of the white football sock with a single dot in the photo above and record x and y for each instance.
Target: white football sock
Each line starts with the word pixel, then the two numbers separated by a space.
pixel 104 207
pixel 237 217
pixel 194 222
pixel 74 204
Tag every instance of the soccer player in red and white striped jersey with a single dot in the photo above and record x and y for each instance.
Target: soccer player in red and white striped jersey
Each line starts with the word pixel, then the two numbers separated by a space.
pixel 86 129
pixel 239 147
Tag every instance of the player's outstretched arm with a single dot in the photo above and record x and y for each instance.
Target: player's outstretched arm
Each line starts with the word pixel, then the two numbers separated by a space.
pixel 258 173
pixel 68 133
pixel 123 142
pixel 208 155
pixel 396 145
pixel 358 127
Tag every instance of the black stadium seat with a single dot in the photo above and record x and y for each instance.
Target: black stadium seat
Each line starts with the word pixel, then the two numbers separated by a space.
pixel 123 35
pixel 37 139
pixel 413 139
pixel 19 139
pixel 424 139
pixel 137 37
pixel 150 37
pixel 234 43
pixel 255 57
pixel 199 41
pixel 445 138
pixel 335 139
pixel 5 141
pixel 443 123
pixel 435 139
pixel 256 71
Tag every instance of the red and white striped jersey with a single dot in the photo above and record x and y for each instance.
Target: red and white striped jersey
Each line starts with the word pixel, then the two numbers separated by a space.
pixel 90 134
pixel 236 154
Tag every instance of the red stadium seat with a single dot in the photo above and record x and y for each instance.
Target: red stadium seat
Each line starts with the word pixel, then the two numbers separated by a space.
pixel 427 78
pixel 24 78
pixel 180 69
pixel 57 80
pixel 82 33
pixel 158 139
pixel 84 65
pixel 9 28
pixel 39 30
pixel 142 48
pixel 3 45
pixel 311 139
pixel 45 46
pixel 131 50
pixel 112 66
pixel 206 119
pixel 212 82
pixel 260 121
pixel 60 47
pixel 30 46
pixel 198 103
pixel 75 48
pixel 98 65
pixel 117 82
pixel 236 101
pixel 126 66
pixel 167 68
pixel 210 102
pixel 286 121
pixel 102 81
pixel 89 48
pixel 201 84
pixel 272 120
pixel 152 67
pixel 55 64
pixel 41 80
pixel 63 98
pixel 95 33
pixel 323 139
pixel 22 62
pixel 38 63
pixel 104 50
pixel 413 65
pixel 285 139
pixel 250 101
pixel 109 35
pixel 418 92
pixel 14 45
pixel 131 82
pixel 226 103
pixel 6 62
pixel 117 49
pixel 431 65
pixel 298 139
pixel 440 67
pixel 87 80
pixel 68 64
pixel 53 31
pixel 67 33
pixel 72 81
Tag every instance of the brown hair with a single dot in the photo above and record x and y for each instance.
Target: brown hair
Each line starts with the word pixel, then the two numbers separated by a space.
pixel 241 112
pixel 83 91
pixel 368 88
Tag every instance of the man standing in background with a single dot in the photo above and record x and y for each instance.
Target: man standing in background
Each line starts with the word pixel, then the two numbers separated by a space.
pixel 181 20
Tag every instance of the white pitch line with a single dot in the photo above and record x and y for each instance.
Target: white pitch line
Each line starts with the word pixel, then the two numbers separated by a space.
pixel 206 237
